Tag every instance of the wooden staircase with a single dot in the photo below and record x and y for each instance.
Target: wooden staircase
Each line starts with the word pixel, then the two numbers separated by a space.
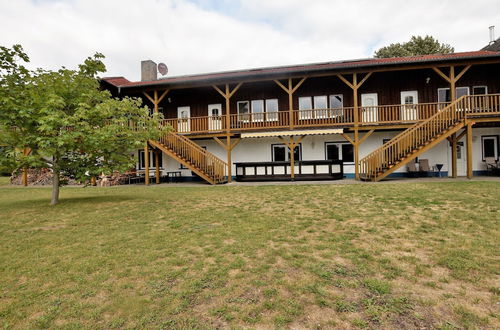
pixel 205 164
pixel 425 135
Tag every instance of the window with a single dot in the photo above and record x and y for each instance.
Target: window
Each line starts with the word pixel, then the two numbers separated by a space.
pixel 444 93
pixel 340 150
pixel 281 153
pixel 152 159
pixel 479 90
pixel 490 146
pixel 243 111
pixel 256 110
pixel 272 109
pixel 321 105
pixel 336 103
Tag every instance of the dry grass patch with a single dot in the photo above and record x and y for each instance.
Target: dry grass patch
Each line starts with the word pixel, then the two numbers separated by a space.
pixel 300 256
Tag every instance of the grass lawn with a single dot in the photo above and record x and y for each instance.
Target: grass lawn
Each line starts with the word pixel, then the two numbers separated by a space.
pixel 406 255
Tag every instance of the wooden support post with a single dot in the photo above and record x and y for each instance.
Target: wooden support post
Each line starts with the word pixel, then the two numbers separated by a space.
pixel 454 155
pixel 146 164
pixel 229 160
pixel 290 104
pixel 469 150
pixel 227 94
pixel 453 91
pixel 355 88
pixel 155 99
pixel 290 90
pixel 157 166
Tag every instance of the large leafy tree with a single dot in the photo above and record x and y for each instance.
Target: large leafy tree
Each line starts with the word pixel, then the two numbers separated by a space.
pixel 416 46
pixel 67 122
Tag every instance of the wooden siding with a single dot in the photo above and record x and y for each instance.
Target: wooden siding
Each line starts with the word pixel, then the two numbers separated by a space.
pixel 388 86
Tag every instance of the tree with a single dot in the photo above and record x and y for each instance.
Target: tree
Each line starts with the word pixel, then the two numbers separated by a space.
pixel 67 122
pixel 416 46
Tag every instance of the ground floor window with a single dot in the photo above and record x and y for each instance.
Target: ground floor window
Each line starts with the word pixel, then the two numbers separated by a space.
pixel 152 160
pixel 490 146
pixel 343 151
pixel 281 153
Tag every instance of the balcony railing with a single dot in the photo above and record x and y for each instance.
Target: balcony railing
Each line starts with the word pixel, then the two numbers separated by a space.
pixel 320 118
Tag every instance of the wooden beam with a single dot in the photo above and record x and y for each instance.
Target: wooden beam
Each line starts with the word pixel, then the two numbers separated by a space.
pixel 453 91
pixel 366 136
pixel 229 160
pixel 454 156
pixel 298 84
pixel 282 86
pixel 438 71
pixel 146 164
pixel 290 103
pixel 157 166
pixel 341 77
pixel 235 90
pixel 220 91
pixel 149 97
pixel 461 135
pixel 347 138
pixel 364 79
pixel 469 150
pixel 155 103
pixel 163 95
pixel 464 70
pixel 222 144
pixel 235 143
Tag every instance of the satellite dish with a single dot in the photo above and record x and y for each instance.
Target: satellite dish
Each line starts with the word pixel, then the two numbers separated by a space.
pixel 162 68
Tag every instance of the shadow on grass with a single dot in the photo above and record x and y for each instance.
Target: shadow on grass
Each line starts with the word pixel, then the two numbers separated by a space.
pixel 72 201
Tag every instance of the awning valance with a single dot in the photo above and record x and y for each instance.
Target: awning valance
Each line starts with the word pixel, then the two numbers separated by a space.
pixel 290 133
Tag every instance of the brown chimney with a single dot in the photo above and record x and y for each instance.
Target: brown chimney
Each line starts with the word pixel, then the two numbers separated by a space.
pixel 148 71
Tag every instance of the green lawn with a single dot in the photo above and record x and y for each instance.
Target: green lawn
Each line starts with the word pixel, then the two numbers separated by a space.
pixel 405 255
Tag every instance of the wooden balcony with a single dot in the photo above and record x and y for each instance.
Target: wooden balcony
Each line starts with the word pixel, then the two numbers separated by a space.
pixel 383 116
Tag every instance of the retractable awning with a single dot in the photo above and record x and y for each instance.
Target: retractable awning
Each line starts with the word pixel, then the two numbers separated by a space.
pixel 290 133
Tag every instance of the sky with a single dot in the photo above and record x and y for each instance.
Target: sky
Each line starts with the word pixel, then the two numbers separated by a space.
pixel 199 36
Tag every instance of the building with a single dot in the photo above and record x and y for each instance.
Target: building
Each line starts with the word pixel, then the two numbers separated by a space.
pixel 377 116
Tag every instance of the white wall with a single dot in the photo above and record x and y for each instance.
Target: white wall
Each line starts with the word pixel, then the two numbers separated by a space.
pixel 313 148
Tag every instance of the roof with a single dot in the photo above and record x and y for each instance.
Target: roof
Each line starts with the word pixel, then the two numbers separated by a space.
pixel 301 69
pixel 493 47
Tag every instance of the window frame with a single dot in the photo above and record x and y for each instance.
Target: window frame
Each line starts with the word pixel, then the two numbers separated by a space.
pixel 339 144
pixel 480 86
pixel 152 160
pixel 287 158
pixel 495 145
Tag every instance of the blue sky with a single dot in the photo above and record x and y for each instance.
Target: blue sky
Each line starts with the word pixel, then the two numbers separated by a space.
pixel 195 36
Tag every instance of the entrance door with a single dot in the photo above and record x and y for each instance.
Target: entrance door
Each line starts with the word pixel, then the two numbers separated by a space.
pixel 369 110
pixel 409 100
pixel 461 159
pixel 183 121
pixel 215 117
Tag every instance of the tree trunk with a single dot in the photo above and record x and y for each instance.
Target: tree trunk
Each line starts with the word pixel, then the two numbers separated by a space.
pixel 55 188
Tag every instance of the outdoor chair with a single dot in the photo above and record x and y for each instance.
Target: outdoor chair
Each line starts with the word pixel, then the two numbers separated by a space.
pixel 412 168
pixel 424 167
pixel 492 167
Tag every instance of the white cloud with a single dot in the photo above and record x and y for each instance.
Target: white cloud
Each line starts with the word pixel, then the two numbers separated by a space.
pixel 207 35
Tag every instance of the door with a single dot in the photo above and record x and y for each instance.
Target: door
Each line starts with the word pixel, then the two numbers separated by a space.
pixel 215 117
pixel 183 119
pixel 461 159
pixel 409 100
pixel 369 110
